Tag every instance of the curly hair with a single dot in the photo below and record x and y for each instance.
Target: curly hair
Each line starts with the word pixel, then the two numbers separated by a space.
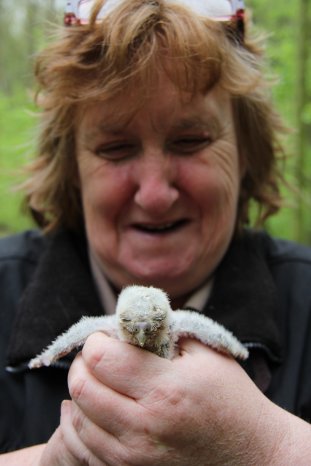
pixel 126 52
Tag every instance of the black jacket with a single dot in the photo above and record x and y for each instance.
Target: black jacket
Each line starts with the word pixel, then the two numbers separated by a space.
pixel 262 293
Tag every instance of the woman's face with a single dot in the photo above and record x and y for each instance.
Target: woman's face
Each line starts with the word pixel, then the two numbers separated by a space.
pixel 159 189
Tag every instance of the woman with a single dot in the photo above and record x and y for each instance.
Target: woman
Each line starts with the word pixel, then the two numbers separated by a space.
pixel 157 134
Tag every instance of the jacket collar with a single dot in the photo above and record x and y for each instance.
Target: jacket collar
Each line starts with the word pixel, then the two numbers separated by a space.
pixel 59 294
pixel 244 297
pixel 62 291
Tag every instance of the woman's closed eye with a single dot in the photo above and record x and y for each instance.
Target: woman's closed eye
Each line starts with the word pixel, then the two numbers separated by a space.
pixel 189 144
pixel 115 151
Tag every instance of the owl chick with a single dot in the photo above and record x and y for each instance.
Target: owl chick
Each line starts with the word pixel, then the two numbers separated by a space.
pixel 144 318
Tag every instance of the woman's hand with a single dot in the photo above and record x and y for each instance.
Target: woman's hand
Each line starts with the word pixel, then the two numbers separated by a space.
pixel 131 407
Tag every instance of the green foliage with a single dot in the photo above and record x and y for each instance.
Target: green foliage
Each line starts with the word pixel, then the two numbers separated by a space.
pixel 281 20
pixel 24 29
pixel 15 136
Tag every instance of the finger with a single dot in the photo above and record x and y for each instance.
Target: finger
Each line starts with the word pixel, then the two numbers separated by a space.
pixel 193 347
pixel 76 451
pixel 108 409
pixel 130 448
pixel 123 367
pixel 108 448
pixel 197 358
pixel 120 416
pixel 56 451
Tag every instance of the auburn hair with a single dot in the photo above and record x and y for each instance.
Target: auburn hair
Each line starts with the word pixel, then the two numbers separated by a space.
pixel 125 53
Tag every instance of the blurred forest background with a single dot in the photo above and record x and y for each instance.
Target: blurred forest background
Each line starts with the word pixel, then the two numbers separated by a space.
pixel 24 27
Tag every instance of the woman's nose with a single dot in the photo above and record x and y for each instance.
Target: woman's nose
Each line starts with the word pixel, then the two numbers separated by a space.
pixel 156 188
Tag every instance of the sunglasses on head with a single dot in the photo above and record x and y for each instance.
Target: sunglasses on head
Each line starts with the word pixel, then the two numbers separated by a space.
pixel 78 12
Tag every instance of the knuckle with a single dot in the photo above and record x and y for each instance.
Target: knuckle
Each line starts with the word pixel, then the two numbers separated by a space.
pixel 165 397
pixel 131 457
pixel 167 409
pixel 87 459
pixel 77 388
pixel 144 451
pixel 97 356
pixel 78 421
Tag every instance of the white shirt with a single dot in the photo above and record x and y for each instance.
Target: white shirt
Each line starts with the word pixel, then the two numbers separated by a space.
pixel 108 299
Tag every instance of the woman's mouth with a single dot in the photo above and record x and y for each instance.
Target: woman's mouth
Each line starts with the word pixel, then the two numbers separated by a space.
pixel 160 229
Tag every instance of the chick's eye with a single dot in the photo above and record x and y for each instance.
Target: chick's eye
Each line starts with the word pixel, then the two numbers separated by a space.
pixel 125 319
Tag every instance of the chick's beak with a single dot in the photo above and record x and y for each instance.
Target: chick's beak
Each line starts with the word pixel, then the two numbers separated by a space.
pixel 141 334
pixel 141 337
